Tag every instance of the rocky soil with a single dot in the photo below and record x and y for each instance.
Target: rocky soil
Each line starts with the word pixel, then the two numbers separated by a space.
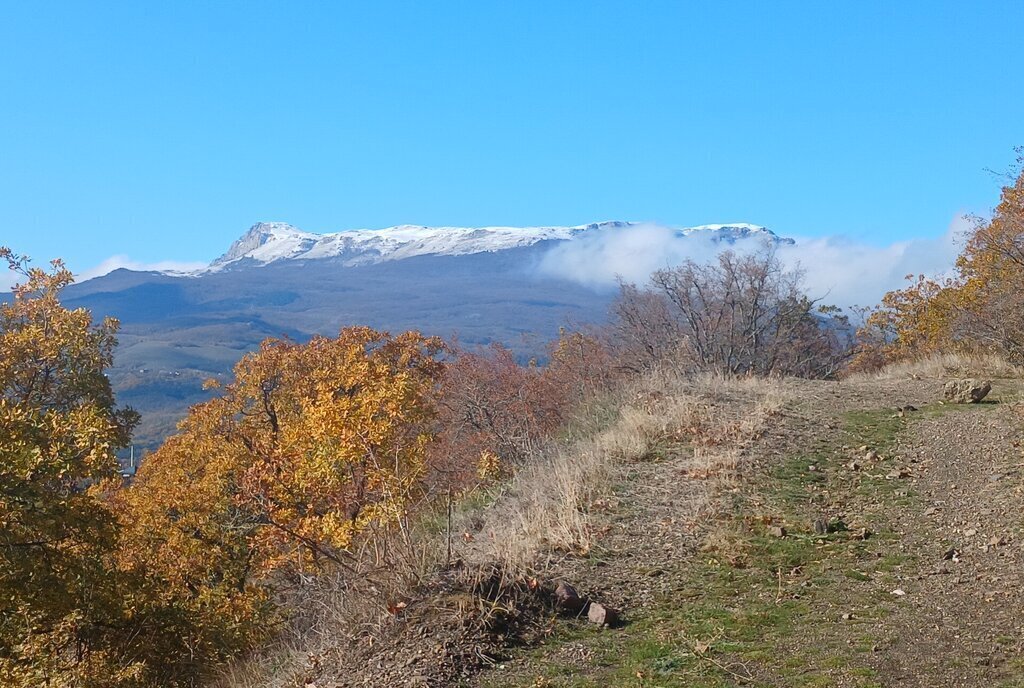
pixel 860 544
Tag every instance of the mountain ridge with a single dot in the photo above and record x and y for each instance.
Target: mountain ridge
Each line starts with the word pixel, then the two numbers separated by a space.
pixel 271 242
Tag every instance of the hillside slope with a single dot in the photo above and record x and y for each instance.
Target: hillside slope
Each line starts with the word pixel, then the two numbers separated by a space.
pixel 789 533
pixel 916 582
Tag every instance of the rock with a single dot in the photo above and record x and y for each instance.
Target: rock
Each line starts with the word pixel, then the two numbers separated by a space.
pixel 777 531
pixel 996 541
pixel 601 615
pixel 568 599
pixel 902 411
pixel 966 391
pixel 820 526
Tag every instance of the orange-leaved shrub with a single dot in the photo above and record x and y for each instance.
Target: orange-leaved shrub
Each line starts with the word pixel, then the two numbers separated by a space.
pixel 494 413
pixel 309 446
pixel 978 310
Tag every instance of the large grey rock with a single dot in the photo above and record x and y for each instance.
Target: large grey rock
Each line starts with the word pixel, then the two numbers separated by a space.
pixel 967 391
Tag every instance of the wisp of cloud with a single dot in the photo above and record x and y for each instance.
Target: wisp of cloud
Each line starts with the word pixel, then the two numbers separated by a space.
pixel 838 270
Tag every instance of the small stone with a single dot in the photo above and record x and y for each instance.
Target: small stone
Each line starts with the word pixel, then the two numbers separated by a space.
pixel 601 615
pixel 970 532
pixel 847 617
pixel 898 592
pixel 777 531
pixel 820 526
pixel 568 599
pixel 996 541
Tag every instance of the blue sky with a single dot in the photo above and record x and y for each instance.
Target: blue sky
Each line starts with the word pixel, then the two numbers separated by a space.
pixel 161 131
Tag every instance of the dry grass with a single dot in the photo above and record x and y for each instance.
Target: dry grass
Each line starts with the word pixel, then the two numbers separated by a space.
pixel 539 515
pixel 544 510
pixel 945 365
pixel 330 609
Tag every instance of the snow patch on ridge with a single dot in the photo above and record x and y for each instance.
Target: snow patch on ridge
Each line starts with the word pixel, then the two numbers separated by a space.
pixel 270 242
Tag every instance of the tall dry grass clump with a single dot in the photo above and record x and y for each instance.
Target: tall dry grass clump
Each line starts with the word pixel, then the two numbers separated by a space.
pixel 944 365
pixel 544 509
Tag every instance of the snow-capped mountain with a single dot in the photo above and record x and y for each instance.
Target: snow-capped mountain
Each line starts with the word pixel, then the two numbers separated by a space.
pixel 270 242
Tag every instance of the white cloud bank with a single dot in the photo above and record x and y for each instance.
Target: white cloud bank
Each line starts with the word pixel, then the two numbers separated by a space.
pixel 839 270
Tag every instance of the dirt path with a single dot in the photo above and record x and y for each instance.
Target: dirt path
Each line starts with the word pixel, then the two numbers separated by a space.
pixel 715 598
pixel 963 615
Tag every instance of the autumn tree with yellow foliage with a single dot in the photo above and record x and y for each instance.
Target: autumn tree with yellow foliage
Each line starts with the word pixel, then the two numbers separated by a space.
pixel 60 608
pixel 979 310
pixel 280 474
pixel 310 446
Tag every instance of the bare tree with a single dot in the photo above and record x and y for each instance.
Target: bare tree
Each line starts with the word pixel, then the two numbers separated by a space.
pixel 744 314
pixel 644 328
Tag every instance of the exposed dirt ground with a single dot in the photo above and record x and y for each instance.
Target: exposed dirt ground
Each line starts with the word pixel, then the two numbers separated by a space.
pixel 917 581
